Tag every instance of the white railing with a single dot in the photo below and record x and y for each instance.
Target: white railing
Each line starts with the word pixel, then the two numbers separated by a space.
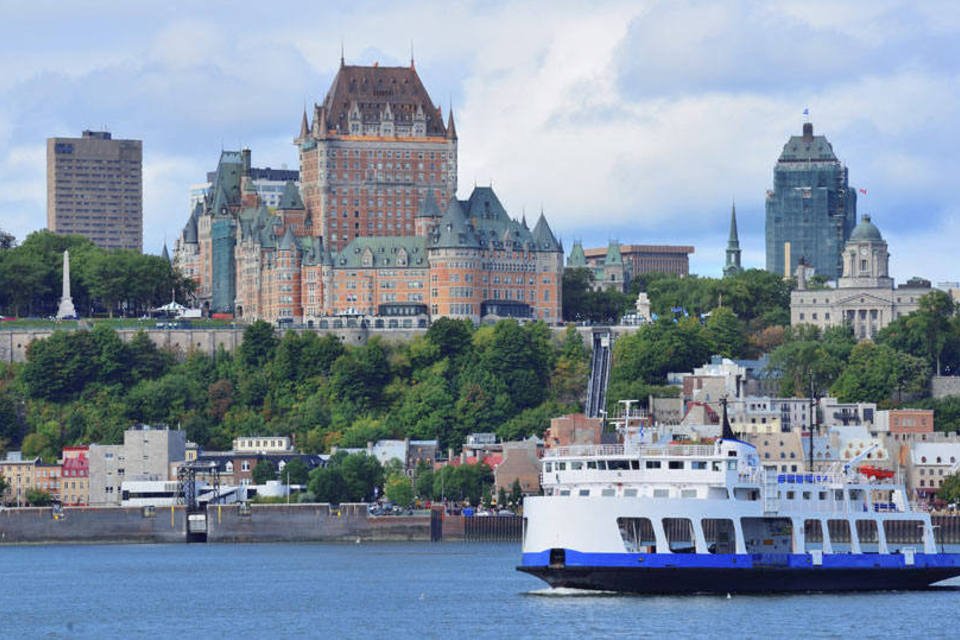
pixel 597 450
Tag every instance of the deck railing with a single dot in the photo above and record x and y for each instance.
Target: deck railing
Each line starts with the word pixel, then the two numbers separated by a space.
pixel 610 450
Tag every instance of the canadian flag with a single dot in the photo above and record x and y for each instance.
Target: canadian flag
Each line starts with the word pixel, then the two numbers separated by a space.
pixel 863 191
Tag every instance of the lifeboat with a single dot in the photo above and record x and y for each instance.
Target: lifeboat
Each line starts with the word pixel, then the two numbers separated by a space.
pixel 875 472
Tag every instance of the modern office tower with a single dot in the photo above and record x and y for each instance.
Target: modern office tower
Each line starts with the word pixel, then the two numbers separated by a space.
pixel 811 210
pixel 95 189
pixel 376 147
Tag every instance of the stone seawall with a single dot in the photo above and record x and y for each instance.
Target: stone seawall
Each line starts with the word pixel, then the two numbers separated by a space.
pixel 14 342
pixel 310 523
pixel 92 525
pixel 227 523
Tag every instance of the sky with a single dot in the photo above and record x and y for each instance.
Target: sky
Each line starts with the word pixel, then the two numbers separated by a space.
pixel 632 121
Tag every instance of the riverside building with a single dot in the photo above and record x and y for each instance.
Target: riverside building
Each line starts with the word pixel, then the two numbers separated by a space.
pixel 95 189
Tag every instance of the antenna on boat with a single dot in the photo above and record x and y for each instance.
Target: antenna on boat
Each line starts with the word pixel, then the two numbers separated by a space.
pixel 813 419
pixel 727 431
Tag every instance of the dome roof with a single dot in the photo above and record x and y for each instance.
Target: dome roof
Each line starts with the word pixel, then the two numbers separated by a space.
pixel 866 231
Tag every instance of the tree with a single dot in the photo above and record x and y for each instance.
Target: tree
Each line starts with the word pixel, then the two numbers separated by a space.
pixel 38 498
pixel 875 372
pixel 810 362
pixel 950 489
pixel 399 490
pixel 423 480
pixel 4 485
pixel 361 475
pixel 727 333
pixel 516 493
pixel 295 471
pixel 264 471
pixel 451 336
pixel 259 342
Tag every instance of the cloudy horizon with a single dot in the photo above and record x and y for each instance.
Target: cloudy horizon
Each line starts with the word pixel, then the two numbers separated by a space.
pixel 634 121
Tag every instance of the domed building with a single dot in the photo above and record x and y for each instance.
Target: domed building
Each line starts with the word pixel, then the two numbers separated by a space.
pixel 865 296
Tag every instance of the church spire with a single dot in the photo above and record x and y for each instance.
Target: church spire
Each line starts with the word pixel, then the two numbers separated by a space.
pixel 732 266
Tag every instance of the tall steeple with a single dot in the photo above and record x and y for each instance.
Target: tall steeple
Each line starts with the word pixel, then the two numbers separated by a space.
pixel 733 267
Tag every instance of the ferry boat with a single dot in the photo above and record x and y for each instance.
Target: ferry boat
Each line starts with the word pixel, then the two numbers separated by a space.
pixel 667 518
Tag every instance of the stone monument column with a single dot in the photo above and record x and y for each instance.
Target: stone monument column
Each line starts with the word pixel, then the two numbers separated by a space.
pixel 66 311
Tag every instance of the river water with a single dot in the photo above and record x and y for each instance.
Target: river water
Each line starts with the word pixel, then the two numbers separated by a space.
pixel 402 590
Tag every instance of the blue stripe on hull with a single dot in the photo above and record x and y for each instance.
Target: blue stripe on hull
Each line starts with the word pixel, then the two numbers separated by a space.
pixel 575 558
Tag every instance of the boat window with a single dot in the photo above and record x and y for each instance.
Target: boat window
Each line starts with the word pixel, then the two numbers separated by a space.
pixel 699 465
pixel 637 535
pixel 903 533
pixel 608 493
pixel 564 492
pixel 591 464
pixel 661 493
pixel 576 465
pixel 741 493
pixel 720 535
pixel 548 466
pixel 601 464
pixel 675 464
pixel 806 495
pixel 679 534
pixel 618 465
pixel 823 495
pixel 653 464
pixel 767 535
pixel 732 465
pixel 838 495
pixel 584 492
pixel 688 493
pixel 812 535
pixel 791 495
pixel 561 466
pixel 629 493
pixel 717 465
pixel 869 539
pixel 635 465
pixel 839 531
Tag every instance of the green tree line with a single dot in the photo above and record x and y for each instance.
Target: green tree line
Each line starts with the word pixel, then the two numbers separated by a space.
pixel 89 386
pixel 110 282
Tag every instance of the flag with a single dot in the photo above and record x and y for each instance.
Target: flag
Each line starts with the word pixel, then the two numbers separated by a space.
pixel 863 191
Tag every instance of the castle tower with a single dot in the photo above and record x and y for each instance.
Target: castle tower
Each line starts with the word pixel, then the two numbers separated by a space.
pixel 377 148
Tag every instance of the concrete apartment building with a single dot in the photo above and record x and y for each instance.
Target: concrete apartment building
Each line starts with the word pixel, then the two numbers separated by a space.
pixel 146 454
pixel 95 189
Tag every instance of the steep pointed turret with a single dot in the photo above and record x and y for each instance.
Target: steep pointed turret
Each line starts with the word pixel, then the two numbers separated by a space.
pixel 165 254
pixel 304 126
pixel 451 128
pixel 544 237
pixel 732 266
pixel 288 241
pixel 613 254
pixel 454 230
pixel 290 200
pixel 577 257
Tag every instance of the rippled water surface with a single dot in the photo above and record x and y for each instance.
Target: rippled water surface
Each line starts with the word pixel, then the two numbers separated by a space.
pixel 399 591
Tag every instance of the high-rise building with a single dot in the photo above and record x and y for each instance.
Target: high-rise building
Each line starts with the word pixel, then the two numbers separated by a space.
pixel 376 147
pixel 811 210
pixel 95 189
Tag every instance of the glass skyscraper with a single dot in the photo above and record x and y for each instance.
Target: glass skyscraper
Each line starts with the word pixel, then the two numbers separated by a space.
pixel 811 210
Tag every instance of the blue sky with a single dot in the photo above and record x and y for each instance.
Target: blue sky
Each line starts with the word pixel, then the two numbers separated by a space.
pixel 636 121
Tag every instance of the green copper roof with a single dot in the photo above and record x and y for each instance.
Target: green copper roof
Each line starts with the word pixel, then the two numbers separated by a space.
pixel 383 252
pixel 577 257
pixel 866 231
pixel 733 242
pixel 613 254
pixel 290 200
